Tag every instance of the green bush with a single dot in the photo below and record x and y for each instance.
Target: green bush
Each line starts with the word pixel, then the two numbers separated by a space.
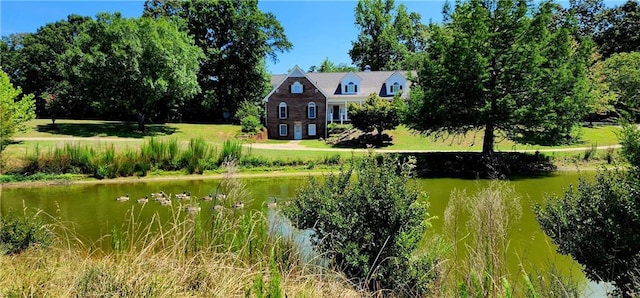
pixel 20 233
pixel 370 223
pixel 251 124
pixel 597 222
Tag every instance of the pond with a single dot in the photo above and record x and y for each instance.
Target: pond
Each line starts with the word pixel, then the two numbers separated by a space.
pixel 92 210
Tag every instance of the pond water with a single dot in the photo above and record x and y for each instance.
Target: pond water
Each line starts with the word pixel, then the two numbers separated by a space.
pixel 92 211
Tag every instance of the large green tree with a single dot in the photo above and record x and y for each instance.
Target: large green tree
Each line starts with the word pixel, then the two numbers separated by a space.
pixel 622 72
pixel 15 110
pixel 620 31
pixel 504 67
pixel 38 63
pixel 236 37
pixel 135 67
pixel 388 35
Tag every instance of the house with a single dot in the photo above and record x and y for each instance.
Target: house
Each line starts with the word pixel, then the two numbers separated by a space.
pixel 301 104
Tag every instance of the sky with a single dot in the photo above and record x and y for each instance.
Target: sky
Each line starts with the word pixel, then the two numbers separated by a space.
pixel 317 29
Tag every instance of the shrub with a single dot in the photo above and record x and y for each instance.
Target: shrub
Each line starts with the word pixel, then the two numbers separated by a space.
pixel 597 222
pixel 251 124
pixel 20 233
pixel 370 223
pixel 247 109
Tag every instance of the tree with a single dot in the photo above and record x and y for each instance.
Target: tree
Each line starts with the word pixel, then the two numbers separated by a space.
pixel 387 35
pixel 236 38
pixel 597 221
pixel 501 67
pixel 328 66
pixel 369 222
pixel 622 73
pixel 43 68
pixel 14 110
pixel 136 67
pixel 374 114
pixel 602 98
pixel 620 30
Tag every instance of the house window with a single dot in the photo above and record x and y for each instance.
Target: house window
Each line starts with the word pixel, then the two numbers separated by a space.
pixel 395 88
pixel 312 129
pixel 351 88
pixel 296 88
pixel 311 110
pixel 282 110
pixel 283 130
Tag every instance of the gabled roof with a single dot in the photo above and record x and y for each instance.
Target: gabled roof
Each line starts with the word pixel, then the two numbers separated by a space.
pixel 295 72
pixel 329 83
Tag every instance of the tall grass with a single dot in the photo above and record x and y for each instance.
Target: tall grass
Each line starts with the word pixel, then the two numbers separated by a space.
pixel 479 268
pixel 231 150
pixel 237 257
pixel 105 162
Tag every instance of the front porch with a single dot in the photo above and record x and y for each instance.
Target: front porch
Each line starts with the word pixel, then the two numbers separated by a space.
pixel 338 113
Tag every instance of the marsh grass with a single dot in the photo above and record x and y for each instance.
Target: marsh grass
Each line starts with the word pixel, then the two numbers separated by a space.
pixel 178 256
pixel 478 265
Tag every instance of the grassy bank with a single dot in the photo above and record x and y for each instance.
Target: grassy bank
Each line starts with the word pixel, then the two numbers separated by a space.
pixel 238 257
pixel 103 149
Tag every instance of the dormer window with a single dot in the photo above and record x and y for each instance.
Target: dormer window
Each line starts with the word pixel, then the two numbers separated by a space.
pixel 297 88
pixel 282 110
pixel 351 88
pixel 395 88
pixel 311 110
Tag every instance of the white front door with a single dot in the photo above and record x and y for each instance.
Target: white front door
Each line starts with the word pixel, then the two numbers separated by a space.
pixel 297 131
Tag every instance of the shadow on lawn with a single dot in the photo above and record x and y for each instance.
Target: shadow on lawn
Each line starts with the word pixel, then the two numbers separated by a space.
pixel 474 165
pixel 365 141
pixel 106 129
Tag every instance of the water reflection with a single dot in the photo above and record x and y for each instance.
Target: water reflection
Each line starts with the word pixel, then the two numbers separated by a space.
pixel 92 210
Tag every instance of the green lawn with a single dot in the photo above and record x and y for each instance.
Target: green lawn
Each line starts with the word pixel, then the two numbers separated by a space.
pixel 405 139
pixel 123 136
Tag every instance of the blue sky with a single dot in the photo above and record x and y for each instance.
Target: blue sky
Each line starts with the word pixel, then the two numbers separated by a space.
pixel 317 29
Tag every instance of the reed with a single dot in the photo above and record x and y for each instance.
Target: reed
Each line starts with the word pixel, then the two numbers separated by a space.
pixel 477 227
pixel 172 257
pixel 230 150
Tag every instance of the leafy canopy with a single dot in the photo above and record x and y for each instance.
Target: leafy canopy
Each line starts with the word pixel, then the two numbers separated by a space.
pixel 136 67
pixel 236 38
pixel 375 113
pixel 503 67
pixel 369 222
pixel 622 72
pixel 388 35
pixel 14 109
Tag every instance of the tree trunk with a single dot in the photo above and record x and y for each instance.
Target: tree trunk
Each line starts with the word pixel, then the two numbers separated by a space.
pixel 379 137
pixel 141 121
pixel 488 141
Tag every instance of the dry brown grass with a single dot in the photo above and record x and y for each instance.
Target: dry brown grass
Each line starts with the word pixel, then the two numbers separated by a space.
pixel 178 259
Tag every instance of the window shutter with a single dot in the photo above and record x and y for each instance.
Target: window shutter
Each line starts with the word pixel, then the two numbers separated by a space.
pixel 355 88
pixel 302 88
pixel 400 87
pixel 345 88
pixel 290 88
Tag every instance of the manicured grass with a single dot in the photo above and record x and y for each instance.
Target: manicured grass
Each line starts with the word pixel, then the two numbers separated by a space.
pixel 123 137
